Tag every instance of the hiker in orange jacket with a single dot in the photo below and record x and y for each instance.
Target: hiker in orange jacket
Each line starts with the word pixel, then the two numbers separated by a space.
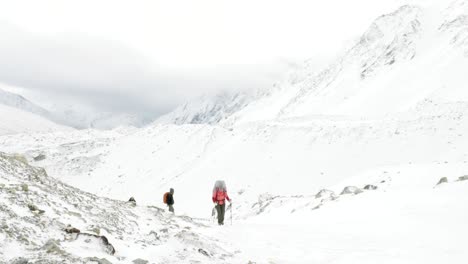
pixel 219 198
pixel 169 200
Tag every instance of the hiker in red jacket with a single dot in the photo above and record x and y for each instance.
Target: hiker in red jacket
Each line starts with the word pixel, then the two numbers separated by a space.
pixel 219 198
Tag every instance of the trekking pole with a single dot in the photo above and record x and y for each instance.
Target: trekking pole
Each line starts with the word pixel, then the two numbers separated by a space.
pixel 231 213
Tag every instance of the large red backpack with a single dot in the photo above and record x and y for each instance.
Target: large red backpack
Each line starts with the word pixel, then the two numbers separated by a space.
pixel 220 195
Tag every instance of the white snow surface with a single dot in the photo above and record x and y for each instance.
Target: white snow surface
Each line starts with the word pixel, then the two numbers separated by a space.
pixel 340 166
pixel 14 120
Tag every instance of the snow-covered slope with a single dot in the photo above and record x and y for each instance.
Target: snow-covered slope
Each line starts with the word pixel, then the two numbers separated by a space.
pixel 83 117
pixel 208 109
pixel 416 53
pixel 17 101
pixel 39 212
pixel 73 115
pixel 14 120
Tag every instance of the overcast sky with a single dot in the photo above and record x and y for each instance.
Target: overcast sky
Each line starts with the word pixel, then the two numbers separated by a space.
pixel 148 56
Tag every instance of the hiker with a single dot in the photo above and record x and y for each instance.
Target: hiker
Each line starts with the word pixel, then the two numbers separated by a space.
pixel 219 199
pixel 169 199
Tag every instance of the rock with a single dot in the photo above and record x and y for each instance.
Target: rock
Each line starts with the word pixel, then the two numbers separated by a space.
pixel 370 187
pixel 53 246
pixel 202 251
pixel 442 180
pixel 96 230
pixel 34 209
pixel 98 260
pixel 139 261
pixel 325 194
pixel 24 187
pixel 40 157
pixel 71 230
pixel 463 178
pixel 19 261
pixel 351 190
pixel 20 158
pixel 108 247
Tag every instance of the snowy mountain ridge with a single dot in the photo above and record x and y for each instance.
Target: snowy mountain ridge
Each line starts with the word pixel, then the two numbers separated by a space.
pixel 76 116
pixel 18 101
pixel 411 41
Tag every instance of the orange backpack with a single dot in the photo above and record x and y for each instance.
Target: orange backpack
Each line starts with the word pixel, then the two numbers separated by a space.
pixel 165 197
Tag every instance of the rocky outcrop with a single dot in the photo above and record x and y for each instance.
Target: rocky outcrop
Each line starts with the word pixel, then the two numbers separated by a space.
pixel 351 190
pixel 463 178
pixel 370 187
pixel 442 180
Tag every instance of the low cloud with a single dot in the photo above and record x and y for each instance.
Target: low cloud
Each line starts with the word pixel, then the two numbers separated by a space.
pixel 109 76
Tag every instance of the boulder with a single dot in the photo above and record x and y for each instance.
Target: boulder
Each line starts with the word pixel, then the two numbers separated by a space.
pixel 463 178
pixel 139 261
pixel 71 230
pixel 108 247
pixel 351 190
pixel 98 260
pixel 24 187
pixel 325 194
pixel 442 180
pixel 53 247
pixel 203 252
pixel 370 187
pixel 40 157
pixel 35 209
pixel 20 261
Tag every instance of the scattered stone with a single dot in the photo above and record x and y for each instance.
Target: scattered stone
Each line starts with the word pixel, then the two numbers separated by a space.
pixel 24 187
pixel 325 194
pixel 34 209
pixel 108 247
pixel 96 230
pixel 71 230
pixel 132 201
pixel 463 178
pixel 202 251
pixel 351 190
pixel 98 260
pixel 53 246
pixel 20 158
pixel 442 180
pixel 139 261
pixel 40 157
pixel 370 187
pixel 19 261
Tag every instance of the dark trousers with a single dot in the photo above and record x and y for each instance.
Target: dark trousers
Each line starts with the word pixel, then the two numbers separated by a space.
pixel 220 209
